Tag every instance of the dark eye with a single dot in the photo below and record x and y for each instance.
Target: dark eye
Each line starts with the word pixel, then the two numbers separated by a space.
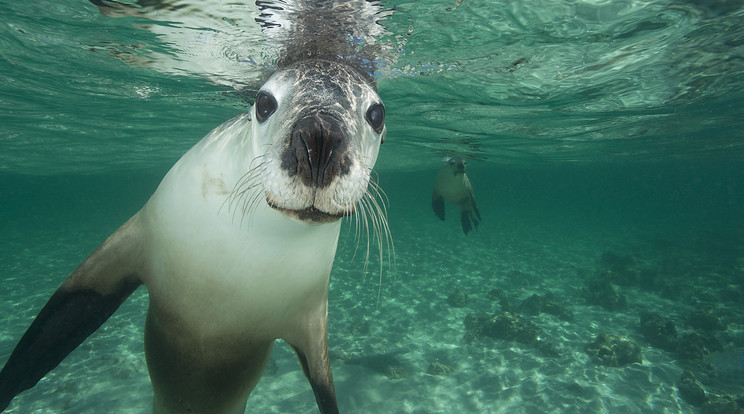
pixel 376 117
pixel 265 106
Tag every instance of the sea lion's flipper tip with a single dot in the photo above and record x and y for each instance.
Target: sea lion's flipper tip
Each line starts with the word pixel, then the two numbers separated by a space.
pixel 477 213
pixel 465 219
pixel 437 203
pixel 66 320
pixel 318 373
pixel 475 216
pixel 6 396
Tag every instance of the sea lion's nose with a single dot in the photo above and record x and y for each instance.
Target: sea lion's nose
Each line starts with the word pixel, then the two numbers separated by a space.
pixel 317 150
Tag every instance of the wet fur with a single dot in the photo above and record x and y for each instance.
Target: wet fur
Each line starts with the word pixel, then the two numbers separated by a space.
pixel 226 273
pixel 234 250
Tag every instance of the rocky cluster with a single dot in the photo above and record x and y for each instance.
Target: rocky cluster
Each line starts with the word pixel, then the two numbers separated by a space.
pixel 600 291
pixel 691 338
pixel 509 327
pixel 614 351
pixel 537 304
pixel 458 299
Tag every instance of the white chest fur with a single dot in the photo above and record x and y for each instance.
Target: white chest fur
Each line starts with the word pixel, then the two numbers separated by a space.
pixel 219 268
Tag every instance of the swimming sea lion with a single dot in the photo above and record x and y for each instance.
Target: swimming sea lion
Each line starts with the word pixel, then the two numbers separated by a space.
pixel 235 247
pixel 452 184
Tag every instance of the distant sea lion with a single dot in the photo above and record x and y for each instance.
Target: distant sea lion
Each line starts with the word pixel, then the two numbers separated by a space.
pixel 452 184
pixel 235 246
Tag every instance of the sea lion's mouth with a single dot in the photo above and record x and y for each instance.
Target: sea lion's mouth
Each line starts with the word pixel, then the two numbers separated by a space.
pixel 311 214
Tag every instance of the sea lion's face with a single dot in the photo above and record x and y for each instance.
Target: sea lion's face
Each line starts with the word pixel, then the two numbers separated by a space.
pixel 456 165
pixel 321 125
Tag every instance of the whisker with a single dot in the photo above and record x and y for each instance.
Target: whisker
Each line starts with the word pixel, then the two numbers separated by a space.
pixel 383 214
pixel 373 219
pixel 356 224
pixel 362 210
pixel 244 197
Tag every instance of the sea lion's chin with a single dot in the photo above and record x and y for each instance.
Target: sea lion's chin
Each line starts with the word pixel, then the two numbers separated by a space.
pixel 311 214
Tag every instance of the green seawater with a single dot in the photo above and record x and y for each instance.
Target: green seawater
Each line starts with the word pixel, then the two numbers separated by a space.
pixel 603 141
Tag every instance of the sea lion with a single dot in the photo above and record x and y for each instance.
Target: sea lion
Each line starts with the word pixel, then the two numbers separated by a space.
pixel 452 184
pixel 235 247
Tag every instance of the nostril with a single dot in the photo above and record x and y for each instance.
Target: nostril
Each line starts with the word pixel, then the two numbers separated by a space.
pixel 313 150
pixel 302 137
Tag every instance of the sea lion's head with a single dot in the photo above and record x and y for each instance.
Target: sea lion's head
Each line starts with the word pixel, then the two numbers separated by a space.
pixel 456 165
pixel 320 124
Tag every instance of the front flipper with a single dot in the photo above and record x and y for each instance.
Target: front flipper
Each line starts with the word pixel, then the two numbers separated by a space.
pixel 80 305
pixel 477 214
pixel 318 372
pixel 311 346
pixel 468 216
pixel 474 213
pixel 437 203
pixel 465 220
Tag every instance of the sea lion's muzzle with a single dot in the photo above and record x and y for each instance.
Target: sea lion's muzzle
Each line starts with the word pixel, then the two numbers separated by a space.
pixel 317 150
